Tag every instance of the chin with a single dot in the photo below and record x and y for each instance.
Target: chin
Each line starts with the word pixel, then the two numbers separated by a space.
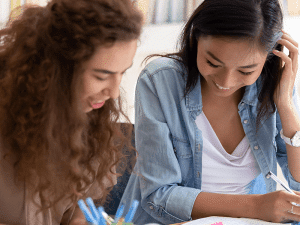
pixel 88 110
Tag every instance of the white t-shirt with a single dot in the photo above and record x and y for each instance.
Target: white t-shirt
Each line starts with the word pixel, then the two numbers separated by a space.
pixel 221 172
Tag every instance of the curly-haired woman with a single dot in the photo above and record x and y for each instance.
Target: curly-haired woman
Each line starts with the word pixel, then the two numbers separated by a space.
pixel 60 70
pixel 210 119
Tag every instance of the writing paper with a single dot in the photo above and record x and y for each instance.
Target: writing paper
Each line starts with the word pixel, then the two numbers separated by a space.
pixel 230 221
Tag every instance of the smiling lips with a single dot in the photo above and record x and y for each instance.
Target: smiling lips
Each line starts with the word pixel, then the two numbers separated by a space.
pixel 222 88
pixel 98 105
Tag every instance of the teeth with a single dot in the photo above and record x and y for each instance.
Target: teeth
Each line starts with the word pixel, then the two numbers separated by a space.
pixel 222 87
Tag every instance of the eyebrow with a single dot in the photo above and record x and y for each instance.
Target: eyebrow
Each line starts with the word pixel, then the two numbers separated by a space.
pixel 244 67
pixel 108 71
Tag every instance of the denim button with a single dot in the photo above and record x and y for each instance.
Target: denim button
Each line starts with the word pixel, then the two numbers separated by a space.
pixel 245 121
pixel 243 104
pixel 151 207
pixel 255 147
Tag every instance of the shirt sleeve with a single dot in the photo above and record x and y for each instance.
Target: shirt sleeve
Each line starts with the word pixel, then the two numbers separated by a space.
pixel 158 168
pixel 281 148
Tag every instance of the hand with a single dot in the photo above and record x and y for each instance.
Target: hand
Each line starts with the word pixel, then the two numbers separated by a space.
pixel 276 206
pixel 284 91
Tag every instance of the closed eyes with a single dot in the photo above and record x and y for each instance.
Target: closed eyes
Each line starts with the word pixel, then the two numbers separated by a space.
pixel 215 66
pixel 103 79
pixel 99 78
pixel 212 65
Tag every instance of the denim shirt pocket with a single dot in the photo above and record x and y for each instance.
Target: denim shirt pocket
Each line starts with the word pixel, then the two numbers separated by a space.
pixel 184 155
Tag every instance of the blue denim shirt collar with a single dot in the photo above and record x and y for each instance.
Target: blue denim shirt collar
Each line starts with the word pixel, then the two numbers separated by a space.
pixel 251 95
pixel 194 100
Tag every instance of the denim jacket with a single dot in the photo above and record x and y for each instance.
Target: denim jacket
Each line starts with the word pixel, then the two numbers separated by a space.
pixel 167 176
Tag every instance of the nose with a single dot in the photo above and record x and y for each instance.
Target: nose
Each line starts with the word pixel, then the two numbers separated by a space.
pixel 226 79
pixel 113 87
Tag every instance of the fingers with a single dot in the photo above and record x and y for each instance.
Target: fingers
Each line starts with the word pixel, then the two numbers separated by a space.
pixel 288 44
pixel 292 216
pixel 291 198
pixel 291 211
pixel 276 207
pixel 287 212
pixel 288 37
pixel 288 61
pixel 292 46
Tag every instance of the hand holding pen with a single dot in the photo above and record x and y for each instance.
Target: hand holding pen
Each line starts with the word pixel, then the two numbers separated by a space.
pixel 275 206
pixel 99 216
pixel 275 178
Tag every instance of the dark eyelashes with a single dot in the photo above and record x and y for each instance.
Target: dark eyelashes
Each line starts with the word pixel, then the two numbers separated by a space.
pixel 248 73
pixel 212 65
pixel 103 79
pixel 215 66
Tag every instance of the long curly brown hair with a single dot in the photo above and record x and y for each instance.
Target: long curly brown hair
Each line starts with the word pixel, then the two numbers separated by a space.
pixel 59 150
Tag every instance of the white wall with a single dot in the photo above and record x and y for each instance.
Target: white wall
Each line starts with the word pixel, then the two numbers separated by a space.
pixel 38 2
pixel 4 11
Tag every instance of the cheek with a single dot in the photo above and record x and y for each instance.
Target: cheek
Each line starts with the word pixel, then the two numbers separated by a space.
pixel 204 68
pixel 251 79
pixel 93 87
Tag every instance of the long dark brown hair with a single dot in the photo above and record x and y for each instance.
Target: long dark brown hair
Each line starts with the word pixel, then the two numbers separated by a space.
pixel 258 21
pixel 59 150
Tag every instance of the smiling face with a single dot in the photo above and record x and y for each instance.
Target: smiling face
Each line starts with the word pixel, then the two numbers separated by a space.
pixel 102 74
pixel 227 65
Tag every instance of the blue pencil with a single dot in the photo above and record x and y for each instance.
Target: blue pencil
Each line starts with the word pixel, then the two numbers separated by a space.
pixel 93 209
pixel 88 215
pixel 102 221
pixel 119 213
pixel 132 211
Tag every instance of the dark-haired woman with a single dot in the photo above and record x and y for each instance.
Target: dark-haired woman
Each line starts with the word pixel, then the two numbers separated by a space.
pixel 209 120
pixel 60 70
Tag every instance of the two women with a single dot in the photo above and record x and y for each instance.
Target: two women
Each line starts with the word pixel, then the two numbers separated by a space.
pixel 210 119
pixel 60 70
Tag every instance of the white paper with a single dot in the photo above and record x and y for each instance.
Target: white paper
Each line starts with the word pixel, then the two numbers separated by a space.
pixel 214 220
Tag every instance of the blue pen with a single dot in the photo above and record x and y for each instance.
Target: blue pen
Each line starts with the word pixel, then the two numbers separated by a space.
pixel 132 211
pixel 102 221
pixel 88 216
pixel 119 213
